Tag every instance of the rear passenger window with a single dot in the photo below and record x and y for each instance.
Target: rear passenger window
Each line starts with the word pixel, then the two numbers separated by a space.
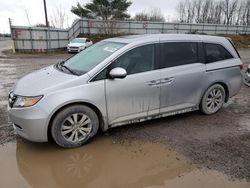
pixel 216 52
pixel 179 53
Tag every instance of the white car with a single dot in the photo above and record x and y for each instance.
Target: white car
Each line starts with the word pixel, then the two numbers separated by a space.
pixel 79 44
pixel 247 76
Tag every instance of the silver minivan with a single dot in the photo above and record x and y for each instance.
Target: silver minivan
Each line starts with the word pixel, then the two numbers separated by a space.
pixel 125 80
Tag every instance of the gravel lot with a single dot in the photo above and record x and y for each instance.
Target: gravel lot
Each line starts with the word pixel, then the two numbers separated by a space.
pixel 220 142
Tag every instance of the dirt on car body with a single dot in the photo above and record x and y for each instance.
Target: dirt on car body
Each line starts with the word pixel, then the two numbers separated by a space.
pixel 199 147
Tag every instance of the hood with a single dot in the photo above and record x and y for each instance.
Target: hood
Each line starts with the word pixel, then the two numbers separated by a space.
pixel 38 82
pixel 76 44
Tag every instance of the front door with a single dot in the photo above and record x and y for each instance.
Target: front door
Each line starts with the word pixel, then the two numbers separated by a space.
pixel 137 96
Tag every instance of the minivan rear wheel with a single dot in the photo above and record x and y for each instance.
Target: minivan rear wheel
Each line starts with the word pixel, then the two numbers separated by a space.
pixel 74 126
pixel 213 99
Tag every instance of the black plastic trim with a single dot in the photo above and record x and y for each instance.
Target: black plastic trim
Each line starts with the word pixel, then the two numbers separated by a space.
pixel 223 68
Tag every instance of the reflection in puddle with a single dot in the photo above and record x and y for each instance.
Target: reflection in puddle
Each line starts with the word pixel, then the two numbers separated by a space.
pixel 98 164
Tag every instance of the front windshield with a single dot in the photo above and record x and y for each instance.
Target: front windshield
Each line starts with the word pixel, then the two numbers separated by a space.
pixel 77 40
pixel 92 56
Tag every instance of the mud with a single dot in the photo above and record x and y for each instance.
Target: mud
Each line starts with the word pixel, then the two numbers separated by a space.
pixel 104 163
pixel 220 141
pixel 180 151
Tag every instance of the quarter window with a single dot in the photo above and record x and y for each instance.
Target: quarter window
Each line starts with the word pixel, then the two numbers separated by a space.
pixel 216 52
pixel 179 53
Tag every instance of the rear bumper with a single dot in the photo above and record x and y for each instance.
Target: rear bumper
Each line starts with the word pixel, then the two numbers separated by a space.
pixel 247 79
pixel 30 123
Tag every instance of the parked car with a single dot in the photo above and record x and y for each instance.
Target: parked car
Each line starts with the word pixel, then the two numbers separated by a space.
pixel 247 76
pixel 125 80
pixel 79 44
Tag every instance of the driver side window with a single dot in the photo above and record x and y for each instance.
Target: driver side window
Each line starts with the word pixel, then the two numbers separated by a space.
pixel 137 60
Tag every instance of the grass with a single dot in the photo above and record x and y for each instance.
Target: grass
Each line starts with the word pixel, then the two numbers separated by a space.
pixel 240 41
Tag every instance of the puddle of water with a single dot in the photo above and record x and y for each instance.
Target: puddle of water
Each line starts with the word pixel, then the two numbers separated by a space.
pixel 101 163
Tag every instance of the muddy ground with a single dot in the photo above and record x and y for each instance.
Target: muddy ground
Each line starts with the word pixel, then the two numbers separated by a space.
pixel 219 142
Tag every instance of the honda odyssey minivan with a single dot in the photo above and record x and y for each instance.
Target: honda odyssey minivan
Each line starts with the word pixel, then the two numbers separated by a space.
pixel 125 80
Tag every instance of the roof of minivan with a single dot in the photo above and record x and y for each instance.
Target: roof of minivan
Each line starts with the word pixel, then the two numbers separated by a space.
pixel 166 37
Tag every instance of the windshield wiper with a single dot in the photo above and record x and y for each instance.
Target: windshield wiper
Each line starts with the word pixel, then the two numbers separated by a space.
pixel 61 65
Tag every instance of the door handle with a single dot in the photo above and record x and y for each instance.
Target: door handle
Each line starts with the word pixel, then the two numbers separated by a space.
pixel 167 80
pixel 160 82
pixel 154 83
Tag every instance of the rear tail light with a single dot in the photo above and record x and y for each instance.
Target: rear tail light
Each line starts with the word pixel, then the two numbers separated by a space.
pixel 241 66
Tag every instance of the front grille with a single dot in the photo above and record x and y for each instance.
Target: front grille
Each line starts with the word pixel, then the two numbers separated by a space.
pixel 73 48
pixel 12 99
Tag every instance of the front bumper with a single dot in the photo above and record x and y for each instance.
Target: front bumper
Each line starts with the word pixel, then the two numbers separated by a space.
pixel 247 78
pixel 74 49
pixel 30 123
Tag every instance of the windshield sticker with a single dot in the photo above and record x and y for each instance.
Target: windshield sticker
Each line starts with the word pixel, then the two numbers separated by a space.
pixel 110 49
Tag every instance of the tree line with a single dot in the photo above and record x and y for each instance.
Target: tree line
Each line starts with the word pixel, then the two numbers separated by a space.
pixel 229 12
pixel 114 10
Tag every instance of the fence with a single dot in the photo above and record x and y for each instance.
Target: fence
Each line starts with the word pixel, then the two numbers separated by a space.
pixel 4 38
pixel 48 39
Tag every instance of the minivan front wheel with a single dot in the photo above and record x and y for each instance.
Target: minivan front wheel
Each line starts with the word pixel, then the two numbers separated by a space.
pixel 213 99
pixel 74 126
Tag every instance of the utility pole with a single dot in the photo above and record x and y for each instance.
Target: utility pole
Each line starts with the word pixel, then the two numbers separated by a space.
pixel 45 11
pixel 13 46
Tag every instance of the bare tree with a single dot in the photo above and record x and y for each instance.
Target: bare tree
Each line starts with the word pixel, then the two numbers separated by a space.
pixel 141 16
pixel 245 13
pixel 59 18
pixel 190 9
pixel 197 10
pixel 205 11
pixel 218 13
pixel 181 12
pixel 27 16
pixel 229 8
pixel 214 11
pixel 154 15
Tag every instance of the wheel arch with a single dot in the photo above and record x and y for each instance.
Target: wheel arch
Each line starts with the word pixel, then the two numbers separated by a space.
pixel 93 107
pixel 226 87
pixel 223 84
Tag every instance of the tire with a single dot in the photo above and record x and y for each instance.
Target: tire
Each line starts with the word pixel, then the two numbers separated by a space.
pixel 213 99
pixel 74 126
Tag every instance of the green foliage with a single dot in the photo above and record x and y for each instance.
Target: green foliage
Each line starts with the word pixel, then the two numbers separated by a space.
pixel 106 9
pixel 240 41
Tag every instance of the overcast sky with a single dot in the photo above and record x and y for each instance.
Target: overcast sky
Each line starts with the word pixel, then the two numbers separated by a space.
pixel 18 10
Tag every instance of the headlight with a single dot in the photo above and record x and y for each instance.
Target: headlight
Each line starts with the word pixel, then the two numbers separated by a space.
pixel 26 101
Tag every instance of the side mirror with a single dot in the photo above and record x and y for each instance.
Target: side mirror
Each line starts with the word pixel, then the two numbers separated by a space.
pixel 118 72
